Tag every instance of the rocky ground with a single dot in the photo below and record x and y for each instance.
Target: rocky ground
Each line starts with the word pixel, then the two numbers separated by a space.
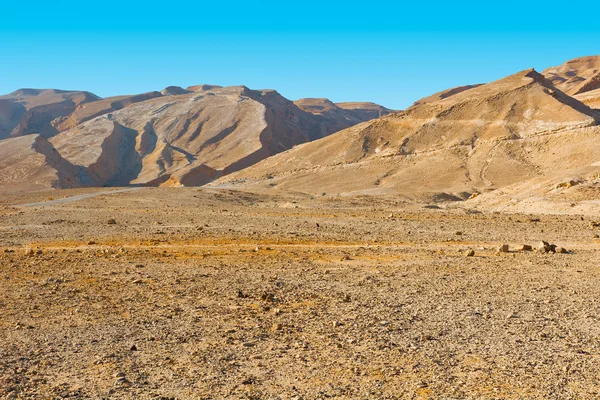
pixel 208 294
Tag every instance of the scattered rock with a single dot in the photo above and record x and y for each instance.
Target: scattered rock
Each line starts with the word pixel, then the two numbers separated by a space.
pixel 470 253
pixel 503 248
pixel 112 221
pixel 276 327
pixel 249 381
pixel 567 184
pixel 543 247
pixel 266 296
pixel 525 247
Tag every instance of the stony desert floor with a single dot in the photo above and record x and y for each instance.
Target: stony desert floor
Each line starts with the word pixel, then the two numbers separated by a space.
pixel 209 294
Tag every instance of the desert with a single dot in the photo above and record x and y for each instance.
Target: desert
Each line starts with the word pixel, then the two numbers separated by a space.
pixel 216 242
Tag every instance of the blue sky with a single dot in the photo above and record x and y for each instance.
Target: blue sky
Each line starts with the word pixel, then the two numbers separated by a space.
pixel 387 52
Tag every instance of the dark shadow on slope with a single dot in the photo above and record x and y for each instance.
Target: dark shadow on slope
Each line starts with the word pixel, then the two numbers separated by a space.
pixel 220 136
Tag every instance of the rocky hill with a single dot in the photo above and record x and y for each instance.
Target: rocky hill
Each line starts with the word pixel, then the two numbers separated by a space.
pixel 173 137
pixel 30 162
pixel 332 117
pixel 576 76
pixel 445 147
pixel 35 111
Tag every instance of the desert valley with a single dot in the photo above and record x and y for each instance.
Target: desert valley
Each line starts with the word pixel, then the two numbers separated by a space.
pixel 225 242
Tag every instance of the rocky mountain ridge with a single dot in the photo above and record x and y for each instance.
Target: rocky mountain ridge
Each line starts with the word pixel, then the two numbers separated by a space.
pixel 173 137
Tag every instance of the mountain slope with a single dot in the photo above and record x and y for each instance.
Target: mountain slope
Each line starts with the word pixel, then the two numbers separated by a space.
pixel 31 162
pixel 445 94
pixel 332 117
pixel 187 139
pixel 576 76
pixel 34 111
pixel 174 137
pixel 483 138
pixel 85 112
pixel 591 98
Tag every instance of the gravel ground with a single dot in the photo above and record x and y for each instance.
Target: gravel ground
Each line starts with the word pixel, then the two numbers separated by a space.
pixel 197 294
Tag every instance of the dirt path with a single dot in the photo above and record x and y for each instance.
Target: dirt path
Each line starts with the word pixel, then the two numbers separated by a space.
pixel 71 199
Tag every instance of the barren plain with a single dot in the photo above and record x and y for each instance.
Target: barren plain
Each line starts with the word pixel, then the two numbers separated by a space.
pixel 193 293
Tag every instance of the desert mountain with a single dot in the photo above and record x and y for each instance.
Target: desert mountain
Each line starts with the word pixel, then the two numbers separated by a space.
pixel 480 139
pixel 85 112
pixel 576 76
pixel 31 162
pixel 174 137
pixel 591 98
pixel 520 134
pixel 332 117
pixel 34 111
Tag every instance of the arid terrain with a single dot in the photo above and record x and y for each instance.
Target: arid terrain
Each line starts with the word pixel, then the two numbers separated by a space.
pixel 222 242
pixel 192 293
pixel 177 137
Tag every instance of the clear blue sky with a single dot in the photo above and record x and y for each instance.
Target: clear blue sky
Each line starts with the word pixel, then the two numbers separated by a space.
pixel 387 52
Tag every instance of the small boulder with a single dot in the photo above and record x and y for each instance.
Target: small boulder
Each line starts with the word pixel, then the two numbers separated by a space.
pixel 567 184
pixel 525 247
pixel 276 327
pixel 543 247
pixel 503 248
pixel 470 253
